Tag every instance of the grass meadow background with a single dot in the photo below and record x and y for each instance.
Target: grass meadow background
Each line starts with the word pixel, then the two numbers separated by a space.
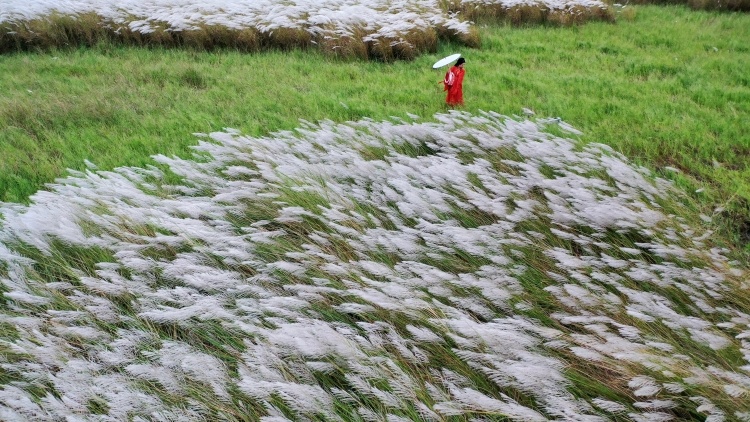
pixel 668 87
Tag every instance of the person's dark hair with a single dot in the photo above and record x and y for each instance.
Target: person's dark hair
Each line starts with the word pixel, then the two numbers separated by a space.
pixel 460 61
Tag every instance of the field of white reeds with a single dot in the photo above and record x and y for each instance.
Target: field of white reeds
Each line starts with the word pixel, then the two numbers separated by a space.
pixel 380 29
pixel 477 268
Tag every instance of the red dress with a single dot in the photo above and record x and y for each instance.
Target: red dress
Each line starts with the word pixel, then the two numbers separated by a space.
pixel 453 81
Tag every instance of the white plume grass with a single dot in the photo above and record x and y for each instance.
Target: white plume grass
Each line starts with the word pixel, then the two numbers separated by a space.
pixel 471 266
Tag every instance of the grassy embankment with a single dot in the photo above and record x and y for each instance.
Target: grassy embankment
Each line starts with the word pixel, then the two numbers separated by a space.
pixel 669 88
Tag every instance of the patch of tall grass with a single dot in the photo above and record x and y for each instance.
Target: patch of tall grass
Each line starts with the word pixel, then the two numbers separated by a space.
pixel 531 13
pixel 372 29
pixel 64 31
pixel 371 269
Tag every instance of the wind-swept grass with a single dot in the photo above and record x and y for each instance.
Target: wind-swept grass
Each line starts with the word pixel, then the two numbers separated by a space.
pixel 302 276
pixel 674 97
pixel 457 267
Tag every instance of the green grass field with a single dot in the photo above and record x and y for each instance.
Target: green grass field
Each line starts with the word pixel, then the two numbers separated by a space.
pixel 667 88
pixel 475 269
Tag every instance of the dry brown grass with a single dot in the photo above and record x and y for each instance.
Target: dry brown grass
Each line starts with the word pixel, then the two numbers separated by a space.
pixel 527 14
pixel 65 31
pixel 470 39
pixel 55 30
pixel 423 41
pixel 406 47
pixel 160 35
pixel 209 37
pixel 348 47
pixel 380 49
pixel 523 13
pixel 286 39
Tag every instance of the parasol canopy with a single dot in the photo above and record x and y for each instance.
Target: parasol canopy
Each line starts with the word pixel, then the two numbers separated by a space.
pixel 445 60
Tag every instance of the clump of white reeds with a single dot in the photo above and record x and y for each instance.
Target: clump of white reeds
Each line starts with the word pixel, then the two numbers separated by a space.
pixel 382 29
pixel 471 266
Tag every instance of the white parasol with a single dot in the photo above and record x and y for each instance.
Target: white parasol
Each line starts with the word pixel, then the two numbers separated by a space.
pixel 445 60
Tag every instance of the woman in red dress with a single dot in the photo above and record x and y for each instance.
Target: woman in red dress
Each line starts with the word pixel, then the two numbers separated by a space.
pixel 453 82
